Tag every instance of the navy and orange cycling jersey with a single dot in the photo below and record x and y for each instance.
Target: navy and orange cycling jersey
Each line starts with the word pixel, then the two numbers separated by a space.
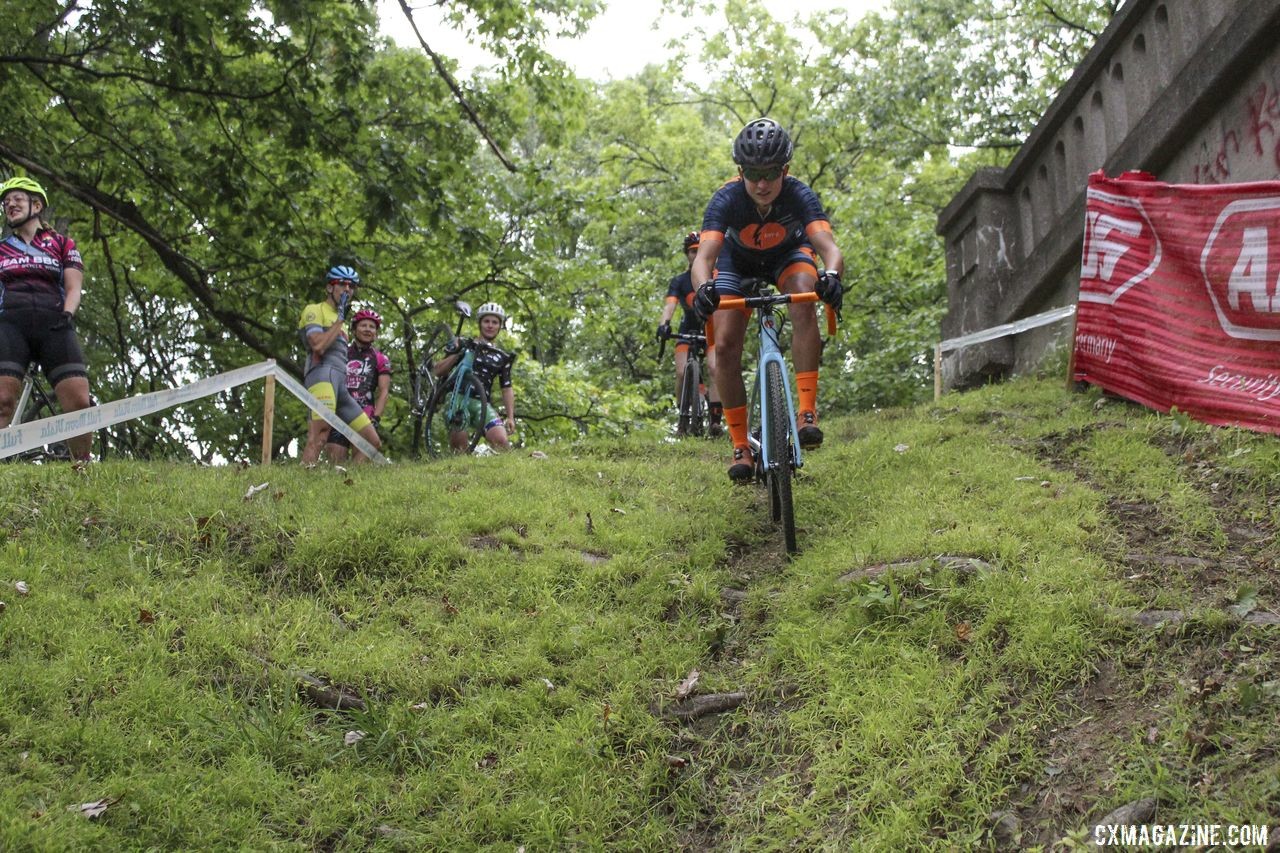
pixel 732 217
pixel 681 290
pixel 31 274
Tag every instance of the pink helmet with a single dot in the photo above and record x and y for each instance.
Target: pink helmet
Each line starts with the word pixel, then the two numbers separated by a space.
pixel 367 314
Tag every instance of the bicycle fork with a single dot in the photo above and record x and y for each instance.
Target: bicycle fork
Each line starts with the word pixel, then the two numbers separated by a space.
pixel 771 353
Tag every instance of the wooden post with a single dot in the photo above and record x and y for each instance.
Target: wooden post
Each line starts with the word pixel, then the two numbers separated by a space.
pixel 268 418
pixel 1071 357
pixel 937 372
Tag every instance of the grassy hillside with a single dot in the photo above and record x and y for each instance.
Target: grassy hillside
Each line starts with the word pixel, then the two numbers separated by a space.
pixel 1012 613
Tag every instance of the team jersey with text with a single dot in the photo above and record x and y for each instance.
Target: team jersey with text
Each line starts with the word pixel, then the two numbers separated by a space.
pixel 732 216
pixel 364 366
pixel 31 273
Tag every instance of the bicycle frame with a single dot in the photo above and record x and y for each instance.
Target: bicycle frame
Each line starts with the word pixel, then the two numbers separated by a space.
pixel 768 458
pixel 774 464
pixel 462 377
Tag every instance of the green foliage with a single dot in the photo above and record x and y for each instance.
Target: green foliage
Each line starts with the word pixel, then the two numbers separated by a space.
pixel 212 159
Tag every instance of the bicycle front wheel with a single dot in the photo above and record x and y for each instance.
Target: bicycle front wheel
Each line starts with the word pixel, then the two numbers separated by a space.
pixel 453 425
pixel 778 472
pixel 691 404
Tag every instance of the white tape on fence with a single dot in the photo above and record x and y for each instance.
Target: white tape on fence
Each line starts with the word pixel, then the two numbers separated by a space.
pixel 20 438
pixel 357 441
pixel 1016 327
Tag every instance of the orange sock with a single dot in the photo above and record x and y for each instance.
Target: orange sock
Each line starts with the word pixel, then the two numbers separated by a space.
pixel 807 385
pixel 736 420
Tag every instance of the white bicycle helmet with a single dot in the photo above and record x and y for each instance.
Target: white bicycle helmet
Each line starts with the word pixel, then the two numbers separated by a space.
pixel 491 308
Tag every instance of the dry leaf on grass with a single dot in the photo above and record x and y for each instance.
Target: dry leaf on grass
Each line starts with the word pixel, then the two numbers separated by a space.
pixel 22 588
pixel 253 490
pixel 964 631
pixel 95 809
pixel 146 617
pixel 686 686
pixel 354 737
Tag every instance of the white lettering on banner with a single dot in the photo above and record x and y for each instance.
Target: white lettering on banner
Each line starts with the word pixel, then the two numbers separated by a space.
pixel 1240 272
pixel 1261 389
pixel 1098 345
pixel 1249 275
pixel 1101 254
pixel 1108 237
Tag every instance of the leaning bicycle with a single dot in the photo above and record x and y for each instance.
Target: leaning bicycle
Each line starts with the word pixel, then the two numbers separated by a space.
pixel 774 441
pixel 691 404
pixel 424 383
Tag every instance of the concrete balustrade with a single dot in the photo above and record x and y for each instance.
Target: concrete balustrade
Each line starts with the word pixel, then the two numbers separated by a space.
pixel 1188 90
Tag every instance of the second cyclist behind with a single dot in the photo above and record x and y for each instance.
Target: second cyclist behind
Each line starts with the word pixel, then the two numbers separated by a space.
pixel 680 293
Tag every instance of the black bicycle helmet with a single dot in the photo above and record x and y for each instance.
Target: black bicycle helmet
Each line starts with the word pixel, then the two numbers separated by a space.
pixel 763 142
pixel 691 240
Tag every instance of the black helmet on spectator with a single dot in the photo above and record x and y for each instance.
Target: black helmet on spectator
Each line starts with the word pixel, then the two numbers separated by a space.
pixel 763 142
pixel 691 240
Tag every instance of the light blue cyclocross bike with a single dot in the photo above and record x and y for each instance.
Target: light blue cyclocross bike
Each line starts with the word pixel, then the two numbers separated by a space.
pixel 774 440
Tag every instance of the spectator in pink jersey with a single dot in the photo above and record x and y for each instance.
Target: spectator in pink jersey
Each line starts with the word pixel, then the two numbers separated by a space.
pixel 368 378
pixel 41 275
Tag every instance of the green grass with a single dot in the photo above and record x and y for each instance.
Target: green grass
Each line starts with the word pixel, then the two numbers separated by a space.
pixel 516 658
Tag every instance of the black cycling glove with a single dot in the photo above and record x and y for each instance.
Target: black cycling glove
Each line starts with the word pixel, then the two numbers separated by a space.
pixel 831 290
pixel 705 301
pixel 453 347
pixel 66 320
pixel 343 301
pixel 664 330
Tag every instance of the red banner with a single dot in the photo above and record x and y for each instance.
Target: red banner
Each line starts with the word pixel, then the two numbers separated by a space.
pixel 1180 297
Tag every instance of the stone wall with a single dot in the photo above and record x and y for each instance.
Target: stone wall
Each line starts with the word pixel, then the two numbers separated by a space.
pixel 1188 90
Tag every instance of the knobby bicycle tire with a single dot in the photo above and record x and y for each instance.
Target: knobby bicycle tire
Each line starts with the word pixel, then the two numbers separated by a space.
pixel 692 411
pixel 778 472
pixel 437 432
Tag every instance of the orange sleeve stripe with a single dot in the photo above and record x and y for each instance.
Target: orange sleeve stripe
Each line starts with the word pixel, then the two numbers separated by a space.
pixel 671 299
pixel 817 226
pixel 711 237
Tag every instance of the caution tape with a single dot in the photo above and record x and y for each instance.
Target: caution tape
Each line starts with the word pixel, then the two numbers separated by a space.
pixel 22 438
pixel 1016 327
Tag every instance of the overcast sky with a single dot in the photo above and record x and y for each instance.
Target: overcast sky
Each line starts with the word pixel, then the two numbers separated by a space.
pixel 621 41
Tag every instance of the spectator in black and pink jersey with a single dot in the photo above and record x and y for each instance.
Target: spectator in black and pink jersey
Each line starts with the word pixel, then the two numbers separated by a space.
pixel 41 275
pixel 368 378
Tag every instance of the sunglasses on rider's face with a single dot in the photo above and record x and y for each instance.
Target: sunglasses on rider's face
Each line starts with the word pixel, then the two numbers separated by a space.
pixel 762 173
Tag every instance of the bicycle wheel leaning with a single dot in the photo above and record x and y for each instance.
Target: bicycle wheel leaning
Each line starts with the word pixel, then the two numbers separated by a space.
pixel 445 417
pixel 778 472
pixel 692 420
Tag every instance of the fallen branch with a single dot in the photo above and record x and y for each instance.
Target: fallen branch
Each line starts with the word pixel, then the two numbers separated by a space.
pixel 700 706
pixel 320 692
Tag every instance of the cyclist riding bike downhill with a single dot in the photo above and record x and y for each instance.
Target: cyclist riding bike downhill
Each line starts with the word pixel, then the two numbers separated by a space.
pixel 490 363
pixel 765 224
pixel 325 337
pixel 680 292
pixel 368 378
